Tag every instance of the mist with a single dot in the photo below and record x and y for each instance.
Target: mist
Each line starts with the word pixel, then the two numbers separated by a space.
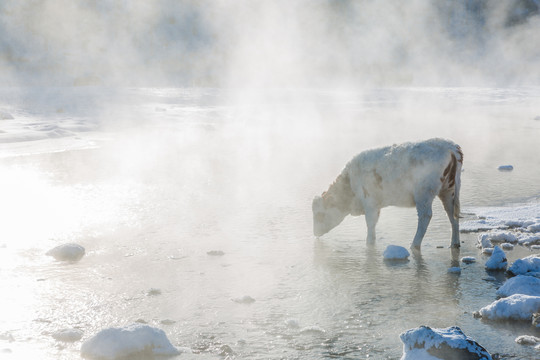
pixel 323 43
pixel 181 144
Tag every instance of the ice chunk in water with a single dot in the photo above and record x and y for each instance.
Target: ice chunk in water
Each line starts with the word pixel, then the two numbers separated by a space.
pixel 395 252
pixel 450 343
pixel 114 343
pixel 497 261
pixel 67 252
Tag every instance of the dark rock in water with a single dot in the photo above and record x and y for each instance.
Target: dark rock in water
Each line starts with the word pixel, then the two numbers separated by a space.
pixel 447 344
pixel 67 252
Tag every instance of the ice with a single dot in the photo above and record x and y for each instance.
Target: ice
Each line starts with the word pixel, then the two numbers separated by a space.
pixel 425 343
pixel 507 246
pixel 454 270
pixel 487 251
pixel 115 343
pixel 505 168
pixel 292 323
pixel 468 259
pixel 521 284
pixel 314 329
pixel 68 335
pixel 67 252
pixel 395 252
pixel 529 265
pixel 498 260
pixel 527 340
pixel 513 307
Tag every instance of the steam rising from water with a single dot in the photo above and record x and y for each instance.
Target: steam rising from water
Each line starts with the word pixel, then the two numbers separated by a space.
pixel 270 43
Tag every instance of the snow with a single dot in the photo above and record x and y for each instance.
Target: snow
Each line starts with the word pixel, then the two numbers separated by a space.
pixel 425 343
pixel 67 252
pixel 513 307
pixel 522 219
pixel 114 343
pixel 529 265
pixel 488 239
pixel 521 284
pixel 395 252
pixel 497 261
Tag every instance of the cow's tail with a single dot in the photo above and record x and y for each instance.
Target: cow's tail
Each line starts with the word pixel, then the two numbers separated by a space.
pixel 452 178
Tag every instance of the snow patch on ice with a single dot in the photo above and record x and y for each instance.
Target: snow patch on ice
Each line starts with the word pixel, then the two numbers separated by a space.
pixel 521 284
pixel 513 307
pixel 395 252
pixel 114 343
pixel 427 343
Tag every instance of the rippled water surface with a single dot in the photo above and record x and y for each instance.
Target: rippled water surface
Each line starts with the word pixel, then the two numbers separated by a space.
pixel 188 200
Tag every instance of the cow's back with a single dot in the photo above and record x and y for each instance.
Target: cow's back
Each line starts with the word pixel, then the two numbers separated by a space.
pixel 391 175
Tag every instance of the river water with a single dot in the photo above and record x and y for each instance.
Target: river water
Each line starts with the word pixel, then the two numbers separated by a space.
pixel 189 201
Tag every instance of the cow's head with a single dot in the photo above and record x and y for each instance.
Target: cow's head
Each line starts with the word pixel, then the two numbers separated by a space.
pixel 326 215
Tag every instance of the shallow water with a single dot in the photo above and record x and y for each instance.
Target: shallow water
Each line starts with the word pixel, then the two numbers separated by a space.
pixel 161 177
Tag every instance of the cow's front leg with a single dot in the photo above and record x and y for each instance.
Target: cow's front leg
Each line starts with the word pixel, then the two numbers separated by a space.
pixel 372 216
pixel 423 207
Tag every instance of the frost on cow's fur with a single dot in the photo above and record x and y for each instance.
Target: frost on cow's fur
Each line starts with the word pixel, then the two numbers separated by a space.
pixel 408 175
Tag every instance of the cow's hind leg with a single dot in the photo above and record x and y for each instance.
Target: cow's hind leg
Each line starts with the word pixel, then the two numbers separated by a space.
pixel 423 207
pixel 447 198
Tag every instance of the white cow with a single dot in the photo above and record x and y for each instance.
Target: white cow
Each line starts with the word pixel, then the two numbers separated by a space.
pixel 405 175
